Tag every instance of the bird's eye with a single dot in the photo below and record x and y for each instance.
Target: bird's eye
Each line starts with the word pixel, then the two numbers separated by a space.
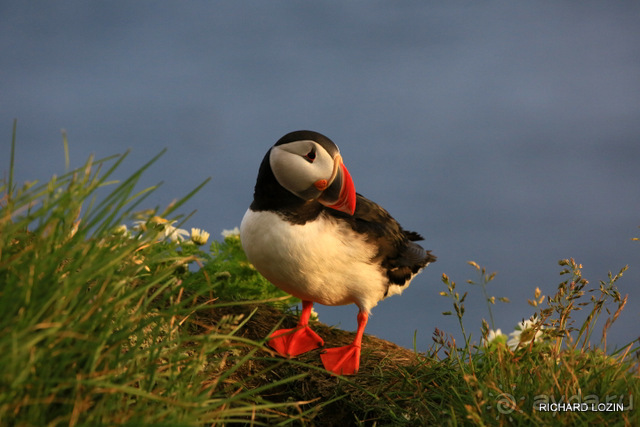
pixel 310 156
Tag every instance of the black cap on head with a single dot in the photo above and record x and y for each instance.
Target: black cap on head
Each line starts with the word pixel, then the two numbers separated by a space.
pixel 301 135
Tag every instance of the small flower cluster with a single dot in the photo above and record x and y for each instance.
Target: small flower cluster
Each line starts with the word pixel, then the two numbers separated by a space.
pixel 168 231
pixel 525 332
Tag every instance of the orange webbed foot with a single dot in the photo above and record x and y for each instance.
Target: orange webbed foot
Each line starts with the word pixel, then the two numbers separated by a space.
pixel 295 341
pixel 346 360
pixel 342 360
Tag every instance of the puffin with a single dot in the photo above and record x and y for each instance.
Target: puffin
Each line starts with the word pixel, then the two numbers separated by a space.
pixel 312 235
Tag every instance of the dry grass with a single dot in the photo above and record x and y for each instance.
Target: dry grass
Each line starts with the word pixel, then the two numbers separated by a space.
pixel 392 382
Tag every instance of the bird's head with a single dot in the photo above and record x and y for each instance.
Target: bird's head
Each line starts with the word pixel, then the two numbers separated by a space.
pixel 309 165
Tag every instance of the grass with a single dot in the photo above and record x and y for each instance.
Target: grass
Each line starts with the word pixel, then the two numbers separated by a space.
pixel 98 326
pixel 105 325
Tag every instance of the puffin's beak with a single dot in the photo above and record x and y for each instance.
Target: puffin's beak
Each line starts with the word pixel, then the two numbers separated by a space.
pixel 341 194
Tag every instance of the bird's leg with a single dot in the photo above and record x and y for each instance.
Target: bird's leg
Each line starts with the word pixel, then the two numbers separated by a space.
pixel 298 340
pixel 346 360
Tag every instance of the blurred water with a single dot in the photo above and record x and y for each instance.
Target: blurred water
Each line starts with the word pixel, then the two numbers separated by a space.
pixel 504 133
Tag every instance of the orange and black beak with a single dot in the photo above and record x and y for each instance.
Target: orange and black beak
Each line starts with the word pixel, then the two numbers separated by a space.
pixel 341 193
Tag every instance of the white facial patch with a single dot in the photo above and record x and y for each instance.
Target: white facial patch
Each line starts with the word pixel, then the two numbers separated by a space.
pixel 299 164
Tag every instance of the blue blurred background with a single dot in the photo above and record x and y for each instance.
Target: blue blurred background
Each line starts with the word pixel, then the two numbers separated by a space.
pixel 507 133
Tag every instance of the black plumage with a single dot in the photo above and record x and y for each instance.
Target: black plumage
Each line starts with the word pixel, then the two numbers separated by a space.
pixel 400 257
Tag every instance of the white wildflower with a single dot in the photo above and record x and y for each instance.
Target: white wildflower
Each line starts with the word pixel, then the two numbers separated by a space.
pixel 173 233
pixel 496 336
pixel 168 230
pixel 526 331
pixel 233 233
pixel 199 237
